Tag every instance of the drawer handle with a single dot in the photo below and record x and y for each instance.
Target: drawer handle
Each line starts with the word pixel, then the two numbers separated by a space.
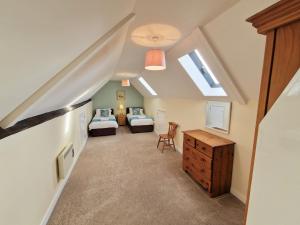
pixel 187 158
pixel 203 160
pixel 203 148
pixel 202 171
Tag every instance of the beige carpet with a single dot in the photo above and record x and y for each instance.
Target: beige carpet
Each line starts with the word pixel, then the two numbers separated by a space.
pixel 125 180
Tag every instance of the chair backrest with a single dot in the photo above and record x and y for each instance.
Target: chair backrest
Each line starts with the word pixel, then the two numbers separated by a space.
pixel 172 129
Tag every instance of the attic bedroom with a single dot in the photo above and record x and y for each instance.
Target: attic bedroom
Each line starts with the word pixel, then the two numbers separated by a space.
pixel 150 112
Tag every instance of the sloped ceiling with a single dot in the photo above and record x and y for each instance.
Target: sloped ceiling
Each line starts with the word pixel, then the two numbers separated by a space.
pixel 39 38
pixel 234 41
pixel 174 82
pixel 80 85
pixel 184 15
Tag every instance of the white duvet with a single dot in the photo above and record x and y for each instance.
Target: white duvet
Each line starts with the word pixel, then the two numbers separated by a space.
pixel 105 123
pixel 142 120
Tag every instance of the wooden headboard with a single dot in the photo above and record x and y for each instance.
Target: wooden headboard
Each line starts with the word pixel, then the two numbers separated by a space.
pixel 127 108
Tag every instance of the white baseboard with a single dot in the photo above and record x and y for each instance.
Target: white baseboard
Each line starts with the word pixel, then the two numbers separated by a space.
pixel 177 149
pixel 59 189
pixel 238 194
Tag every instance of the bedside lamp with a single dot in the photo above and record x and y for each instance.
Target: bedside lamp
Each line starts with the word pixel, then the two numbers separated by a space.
pixel 121 107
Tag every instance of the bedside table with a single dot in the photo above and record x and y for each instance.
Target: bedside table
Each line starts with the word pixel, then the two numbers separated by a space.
pixel 121 118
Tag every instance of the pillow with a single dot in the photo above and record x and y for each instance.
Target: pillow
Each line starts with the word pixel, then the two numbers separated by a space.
pixel 98 112
pixel 136 111
pixel 130 111
pixel 105 112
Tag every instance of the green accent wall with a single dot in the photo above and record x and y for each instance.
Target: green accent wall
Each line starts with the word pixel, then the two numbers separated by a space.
pixel 106 97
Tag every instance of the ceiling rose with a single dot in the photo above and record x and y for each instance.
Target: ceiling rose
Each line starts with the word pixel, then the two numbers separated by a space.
pixel 155 35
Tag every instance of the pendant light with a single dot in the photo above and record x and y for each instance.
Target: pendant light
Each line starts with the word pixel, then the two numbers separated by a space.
pixel 125 83
pixel 155 60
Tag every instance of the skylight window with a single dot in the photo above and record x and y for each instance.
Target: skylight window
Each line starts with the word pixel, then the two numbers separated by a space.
pixel 147 86
pixel 200 73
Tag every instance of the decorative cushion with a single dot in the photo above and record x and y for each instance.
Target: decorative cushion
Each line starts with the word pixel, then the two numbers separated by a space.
pixel 98 112
pixel 104 112
pixel 136 111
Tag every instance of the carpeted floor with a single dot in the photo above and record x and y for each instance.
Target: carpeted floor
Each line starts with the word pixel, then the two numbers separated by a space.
pixel 125 180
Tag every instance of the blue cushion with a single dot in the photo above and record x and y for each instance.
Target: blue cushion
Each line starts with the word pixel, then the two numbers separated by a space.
pixel 136 111
pixel 104 112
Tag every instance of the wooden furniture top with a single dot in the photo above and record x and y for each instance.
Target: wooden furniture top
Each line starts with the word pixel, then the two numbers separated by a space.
pixel 208 138
pixel 278 14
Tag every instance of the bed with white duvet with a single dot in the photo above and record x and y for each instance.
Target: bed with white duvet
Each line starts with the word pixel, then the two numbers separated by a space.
pixel 103 123
pixel 137 121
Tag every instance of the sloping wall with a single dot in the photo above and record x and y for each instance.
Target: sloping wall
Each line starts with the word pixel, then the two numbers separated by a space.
pixel 40 38
pixel 28 167
pixel 79 85
pixel 190 114
pixel 106 97
pixel 238 45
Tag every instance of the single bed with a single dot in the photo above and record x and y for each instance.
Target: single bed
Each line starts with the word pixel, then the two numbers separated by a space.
pixel 103 126
pixel 139 123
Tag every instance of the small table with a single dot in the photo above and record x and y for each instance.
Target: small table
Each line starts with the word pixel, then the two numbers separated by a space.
pixel 121 118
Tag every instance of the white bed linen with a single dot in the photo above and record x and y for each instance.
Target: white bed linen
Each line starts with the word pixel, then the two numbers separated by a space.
pixel 103 124
pixel 141 121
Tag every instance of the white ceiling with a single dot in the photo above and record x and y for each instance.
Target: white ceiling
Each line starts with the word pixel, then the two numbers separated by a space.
pixel 234 41
pixel 184 15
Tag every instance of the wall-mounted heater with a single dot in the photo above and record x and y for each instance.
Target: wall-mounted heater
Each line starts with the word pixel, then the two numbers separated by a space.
pixel 65 160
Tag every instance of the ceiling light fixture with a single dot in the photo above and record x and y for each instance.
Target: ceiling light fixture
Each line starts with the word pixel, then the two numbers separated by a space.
pixel 155 35
pixel 125 83
pixel 155 60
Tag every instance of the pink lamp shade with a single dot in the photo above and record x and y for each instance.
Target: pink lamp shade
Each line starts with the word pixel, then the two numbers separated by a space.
pixel 155 60
pixel 125 83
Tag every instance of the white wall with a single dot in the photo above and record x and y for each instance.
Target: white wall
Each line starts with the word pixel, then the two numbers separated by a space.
pixel 190 114
pixel 28 167
pixel 274 197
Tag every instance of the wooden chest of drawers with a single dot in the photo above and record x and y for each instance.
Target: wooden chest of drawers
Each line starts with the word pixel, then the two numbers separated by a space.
pixel 209 160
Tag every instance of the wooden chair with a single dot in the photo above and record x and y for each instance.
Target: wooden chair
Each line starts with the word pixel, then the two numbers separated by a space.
pixel 168 139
